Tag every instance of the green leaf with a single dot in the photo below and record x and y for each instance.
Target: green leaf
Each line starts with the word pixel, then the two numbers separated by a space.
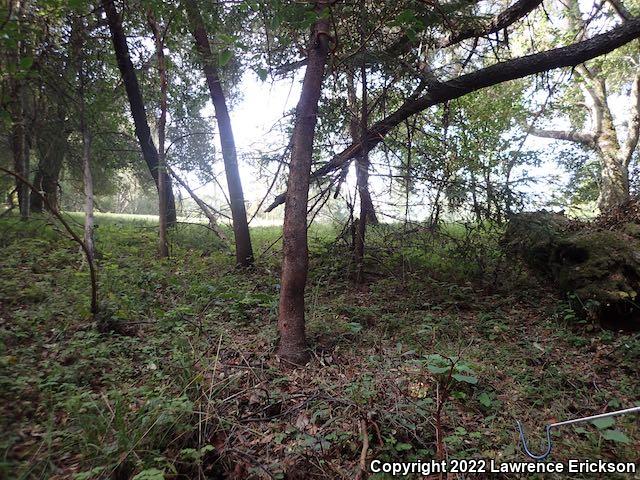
pixel 603 423
pixel 437 370
pixel 615 436
pixel 225 38
pixel 26 62
pixel 406 17
pixel 150 474
pixel 262 73
pixel 465 378
pixel 354 327
pixel 76 4
pixel 484 399
pixel 224 57
pixel 401 447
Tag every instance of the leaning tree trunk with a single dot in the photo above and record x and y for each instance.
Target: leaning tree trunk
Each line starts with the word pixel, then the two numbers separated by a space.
pixel 244 251
pixel 597 263
pixel 293 342
pixel 138 112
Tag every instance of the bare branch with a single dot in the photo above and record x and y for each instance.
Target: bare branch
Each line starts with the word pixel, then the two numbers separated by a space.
pixel 501 21
pixel 582 138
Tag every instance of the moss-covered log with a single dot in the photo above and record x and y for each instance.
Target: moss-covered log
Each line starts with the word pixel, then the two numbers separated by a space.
pixel 598 264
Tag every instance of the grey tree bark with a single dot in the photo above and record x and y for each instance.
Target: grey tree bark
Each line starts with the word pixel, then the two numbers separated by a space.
pixel 163 243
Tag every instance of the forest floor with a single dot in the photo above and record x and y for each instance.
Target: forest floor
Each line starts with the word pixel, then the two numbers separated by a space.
pixel 181 381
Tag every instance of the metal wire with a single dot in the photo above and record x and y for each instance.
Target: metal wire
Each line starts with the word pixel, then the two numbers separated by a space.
pixel 548 428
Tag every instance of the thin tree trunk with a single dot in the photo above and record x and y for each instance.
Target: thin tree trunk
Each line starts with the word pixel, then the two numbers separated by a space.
pixel 163 246
pixel 20 148
pixel 77 60
pixel 244 251
pixel 19 139
pixel 52 142
pixel 362 163
pixel 88 191
pixel 291 324
pixel 136 103
pixel 72 233
pixel 36 203
pixel 362 182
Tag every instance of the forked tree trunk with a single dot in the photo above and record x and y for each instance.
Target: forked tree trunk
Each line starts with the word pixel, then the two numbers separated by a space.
pixel 244 251
pixel 293 342
pixel 138 111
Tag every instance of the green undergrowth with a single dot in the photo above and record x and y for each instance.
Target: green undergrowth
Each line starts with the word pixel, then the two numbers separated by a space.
pixel 182 380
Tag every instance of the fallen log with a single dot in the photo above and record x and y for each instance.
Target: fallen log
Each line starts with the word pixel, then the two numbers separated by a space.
pixel 597 263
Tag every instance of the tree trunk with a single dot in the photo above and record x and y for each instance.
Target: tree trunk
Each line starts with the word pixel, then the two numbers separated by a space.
pixel 36 203
pixel 88 192
pixel 20 148
pixel 138 111
pixel 163 244
pixel 358 130
pixel 244 251
pixel 614 186
pixel 293 342
pixel 52 142
pixel 77 40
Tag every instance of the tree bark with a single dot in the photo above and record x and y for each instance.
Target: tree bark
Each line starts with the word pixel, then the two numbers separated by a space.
pixel 614 181
pixel 136 103
pixel 163 244
pixel 291 320
pixel 20 148
pixel 88 192
pixel 77 40
pixel 52 142
pixel 441 92
pixel 244 251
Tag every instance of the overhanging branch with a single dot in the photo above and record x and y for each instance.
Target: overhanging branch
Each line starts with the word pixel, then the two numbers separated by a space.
pixel 582 138
pixel 568 56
